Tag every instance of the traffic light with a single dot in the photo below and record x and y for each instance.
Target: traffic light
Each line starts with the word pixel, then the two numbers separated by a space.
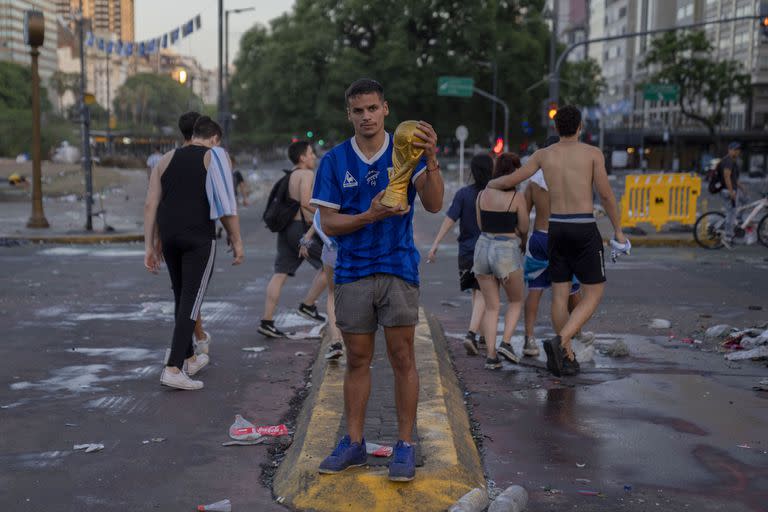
pixel 310 134
pixel 548 113
pixel 552 111
pixel 498 148
pixel 764 24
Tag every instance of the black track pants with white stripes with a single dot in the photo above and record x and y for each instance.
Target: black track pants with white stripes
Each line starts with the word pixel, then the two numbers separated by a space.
pixel 190 263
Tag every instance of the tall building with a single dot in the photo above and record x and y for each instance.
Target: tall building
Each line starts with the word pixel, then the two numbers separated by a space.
pixel 107 16
pixel 572 24
pixel 12 46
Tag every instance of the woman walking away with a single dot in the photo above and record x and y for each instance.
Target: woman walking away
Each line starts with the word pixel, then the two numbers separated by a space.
pixel 503 219
pixel 462 210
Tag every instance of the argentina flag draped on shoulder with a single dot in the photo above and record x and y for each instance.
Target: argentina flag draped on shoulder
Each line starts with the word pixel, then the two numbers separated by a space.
pixel 219 185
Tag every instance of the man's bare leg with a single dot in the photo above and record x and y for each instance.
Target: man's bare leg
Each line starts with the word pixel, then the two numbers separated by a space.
pixel 330 305
pixel 274 288
pixel 592 294
pixel 532 310
pixel 560 292
pixel 489 286
pixel 403 360
pixel 478 308
pixel 357 381
pixel 316 289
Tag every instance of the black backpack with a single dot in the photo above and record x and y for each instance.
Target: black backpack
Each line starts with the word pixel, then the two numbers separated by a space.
pixel 715 178
pixel 281 209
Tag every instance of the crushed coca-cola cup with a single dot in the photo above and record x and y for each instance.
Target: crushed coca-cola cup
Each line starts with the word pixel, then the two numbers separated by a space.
pixel 272 430
pixel 243 430
pixel 378 450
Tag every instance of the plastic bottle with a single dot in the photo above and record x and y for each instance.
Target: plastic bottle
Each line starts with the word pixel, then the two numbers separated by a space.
pixel 513 499
pixel 219 506
pixel 474 501
pixel 750 237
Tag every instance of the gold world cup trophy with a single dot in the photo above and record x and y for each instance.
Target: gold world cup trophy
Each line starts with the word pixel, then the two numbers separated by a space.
pixel 405 157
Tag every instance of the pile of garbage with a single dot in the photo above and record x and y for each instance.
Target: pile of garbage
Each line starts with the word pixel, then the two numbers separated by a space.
pixel 740 344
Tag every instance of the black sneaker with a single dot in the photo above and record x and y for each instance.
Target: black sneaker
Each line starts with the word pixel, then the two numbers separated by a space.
pixel 506 350
pixel 470 343
pixel 310 312
pixel 554 351
pixel 492 364
pixel 335 351
pixel 571 367
pixel 268 329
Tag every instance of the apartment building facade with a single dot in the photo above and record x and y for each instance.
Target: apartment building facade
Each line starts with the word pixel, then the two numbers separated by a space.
pixel 12 45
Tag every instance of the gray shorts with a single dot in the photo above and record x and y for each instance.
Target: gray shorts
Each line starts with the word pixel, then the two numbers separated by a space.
pixel 380 299
pixel 498 256
pixel 288 259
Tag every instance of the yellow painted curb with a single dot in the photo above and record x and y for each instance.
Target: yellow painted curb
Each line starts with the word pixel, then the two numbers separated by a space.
pixel 452 464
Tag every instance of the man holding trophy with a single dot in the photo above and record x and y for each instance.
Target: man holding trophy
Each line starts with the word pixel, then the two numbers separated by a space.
pixel 365 189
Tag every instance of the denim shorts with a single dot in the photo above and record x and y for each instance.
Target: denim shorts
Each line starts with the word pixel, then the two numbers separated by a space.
pixel 497 255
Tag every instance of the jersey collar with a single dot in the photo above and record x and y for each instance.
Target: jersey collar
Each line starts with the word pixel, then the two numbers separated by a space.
pixel 375 157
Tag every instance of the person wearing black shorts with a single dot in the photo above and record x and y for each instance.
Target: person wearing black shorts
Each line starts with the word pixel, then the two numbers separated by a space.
pixel 462 210
pixel 571 170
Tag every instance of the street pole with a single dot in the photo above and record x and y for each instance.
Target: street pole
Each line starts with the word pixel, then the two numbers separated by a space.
pixel 220 98
pixel 85 117
pixel 553 87
pixel 495 92
pixel 226 79
pixel 506 113
pixel 109 110
pixel 35 30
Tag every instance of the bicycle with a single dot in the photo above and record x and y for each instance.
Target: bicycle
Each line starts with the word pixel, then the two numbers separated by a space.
pixel 709 229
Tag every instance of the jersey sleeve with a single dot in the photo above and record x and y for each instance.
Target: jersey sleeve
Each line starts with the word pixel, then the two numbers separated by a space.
pixel 421 167
pixel 454 212
pixel 327 189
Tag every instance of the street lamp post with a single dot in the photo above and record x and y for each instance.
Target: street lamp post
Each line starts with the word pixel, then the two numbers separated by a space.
pixel 34 36
pixel 227 116
pixel 85 118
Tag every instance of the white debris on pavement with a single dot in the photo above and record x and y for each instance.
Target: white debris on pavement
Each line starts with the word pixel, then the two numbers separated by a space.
pixel 660 323
pixel 89 447
pixel 755 353
pixel 717 332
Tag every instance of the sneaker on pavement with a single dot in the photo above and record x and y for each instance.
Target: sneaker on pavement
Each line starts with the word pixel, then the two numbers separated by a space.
pixel 470 344
pixel 202 346
pixel 403 465
pixel 530 348
pixel 586 338
pixel 571 367
pixel 200 362
pixel 179 380
pixel 310 312
pixel 268 329
pixel 508 352
pixel 346 455
pixel 554 351
pixel 335 351
pixel 493 364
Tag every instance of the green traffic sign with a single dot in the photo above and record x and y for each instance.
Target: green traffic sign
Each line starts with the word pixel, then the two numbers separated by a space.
pixel 459 86
pixel 661 92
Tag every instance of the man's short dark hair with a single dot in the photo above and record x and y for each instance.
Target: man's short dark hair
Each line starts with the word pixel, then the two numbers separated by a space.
pixel 205 128
pixel 363 86
pixel 568 120
pixel 296 149
pixel 187 124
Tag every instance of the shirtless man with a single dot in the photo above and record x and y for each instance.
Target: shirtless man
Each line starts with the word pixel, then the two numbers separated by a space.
pixel 289 240
pixel 575 246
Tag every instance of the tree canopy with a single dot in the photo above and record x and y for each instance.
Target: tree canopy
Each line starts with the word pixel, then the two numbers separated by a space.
pixel 291 76
pixel 16 88
pixel 706 85
pixel 147 99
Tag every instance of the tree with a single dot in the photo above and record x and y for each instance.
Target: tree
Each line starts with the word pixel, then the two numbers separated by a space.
pixel 583 83
pixel 706 85
pixel 291 76
pixel 16 89
pixel 153 101
pixel 61 83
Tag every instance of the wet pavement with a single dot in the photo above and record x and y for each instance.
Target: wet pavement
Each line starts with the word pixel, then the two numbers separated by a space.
pixel 85 329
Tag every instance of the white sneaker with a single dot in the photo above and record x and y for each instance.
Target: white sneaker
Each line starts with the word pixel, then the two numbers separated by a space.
pixel 200 362
pixel 530 348
pixel 202 346
pixel 586 338
pixel 179 380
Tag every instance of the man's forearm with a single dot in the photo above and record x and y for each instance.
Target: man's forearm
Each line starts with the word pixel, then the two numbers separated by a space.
pixel 232 224
pixel 337 224
pixel 150 225
pixel 505 182
pixel 432 194
pixel 612 210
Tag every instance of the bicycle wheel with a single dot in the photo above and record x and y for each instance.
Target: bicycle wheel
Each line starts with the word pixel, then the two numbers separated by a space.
pixel 708 230
pixel 762 231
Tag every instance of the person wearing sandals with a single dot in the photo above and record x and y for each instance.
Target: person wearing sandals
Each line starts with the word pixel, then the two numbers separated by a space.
pixel 462 210
pixel 502 216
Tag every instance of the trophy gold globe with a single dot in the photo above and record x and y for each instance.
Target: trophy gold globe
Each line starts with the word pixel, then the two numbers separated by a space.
pixel 405 158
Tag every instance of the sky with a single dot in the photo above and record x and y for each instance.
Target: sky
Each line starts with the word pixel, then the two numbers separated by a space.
pixel 154 18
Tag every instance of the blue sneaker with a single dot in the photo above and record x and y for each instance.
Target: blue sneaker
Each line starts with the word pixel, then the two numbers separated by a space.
pixel 403 465
pixel 346 455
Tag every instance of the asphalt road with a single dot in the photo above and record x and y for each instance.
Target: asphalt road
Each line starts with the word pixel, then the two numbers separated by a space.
pixel 85 329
